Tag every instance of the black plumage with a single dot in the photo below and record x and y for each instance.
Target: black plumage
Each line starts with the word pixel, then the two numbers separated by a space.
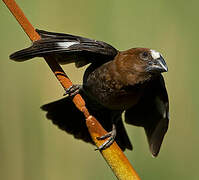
pixel 115 82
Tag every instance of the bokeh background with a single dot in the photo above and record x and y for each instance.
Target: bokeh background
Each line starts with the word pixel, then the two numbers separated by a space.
pixel 32 148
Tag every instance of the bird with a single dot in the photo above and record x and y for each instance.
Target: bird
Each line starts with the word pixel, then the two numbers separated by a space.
pixel 116 83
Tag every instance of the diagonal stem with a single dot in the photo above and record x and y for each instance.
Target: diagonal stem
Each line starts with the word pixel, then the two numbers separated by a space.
pixel 113 155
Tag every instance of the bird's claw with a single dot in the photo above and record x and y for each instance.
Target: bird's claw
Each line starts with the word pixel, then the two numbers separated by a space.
pixel 72 90
pixel 111 137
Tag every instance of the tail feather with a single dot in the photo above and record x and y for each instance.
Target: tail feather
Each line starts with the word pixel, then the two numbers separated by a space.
pixel 123 139
pixel 65 115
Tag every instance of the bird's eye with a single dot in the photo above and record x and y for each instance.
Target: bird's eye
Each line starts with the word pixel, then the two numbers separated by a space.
pixel 144 55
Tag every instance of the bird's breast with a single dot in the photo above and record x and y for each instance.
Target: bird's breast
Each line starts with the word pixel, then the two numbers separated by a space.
pixel 121 100
pixel 102 87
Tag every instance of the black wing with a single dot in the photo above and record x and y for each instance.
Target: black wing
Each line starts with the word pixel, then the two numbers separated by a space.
pixel 67 117
pixel 67 48
pixel 152 113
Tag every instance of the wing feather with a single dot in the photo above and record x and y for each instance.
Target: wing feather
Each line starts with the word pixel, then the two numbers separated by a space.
pixel 67 49
pixel 152 113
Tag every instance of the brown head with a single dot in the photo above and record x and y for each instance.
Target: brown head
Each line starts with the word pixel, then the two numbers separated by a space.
pixel 137 65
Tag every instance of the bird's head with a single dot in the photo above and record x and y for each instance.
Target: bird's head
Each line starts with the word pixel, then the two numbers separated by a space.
pixel 140 63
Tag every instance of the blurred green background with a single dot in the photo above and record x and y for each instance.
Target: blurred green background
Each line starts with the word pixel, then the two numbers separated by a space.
pixel 32 148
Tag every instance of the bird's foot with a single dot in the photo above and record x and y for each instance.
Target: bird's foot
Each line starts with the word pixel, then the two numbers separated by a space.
pixel 111 137
pixel 73 90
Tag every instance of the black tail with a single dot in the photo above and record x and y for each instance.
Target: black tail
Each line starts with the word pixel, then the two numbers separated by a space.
pixel 67 117
pixel 66 49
